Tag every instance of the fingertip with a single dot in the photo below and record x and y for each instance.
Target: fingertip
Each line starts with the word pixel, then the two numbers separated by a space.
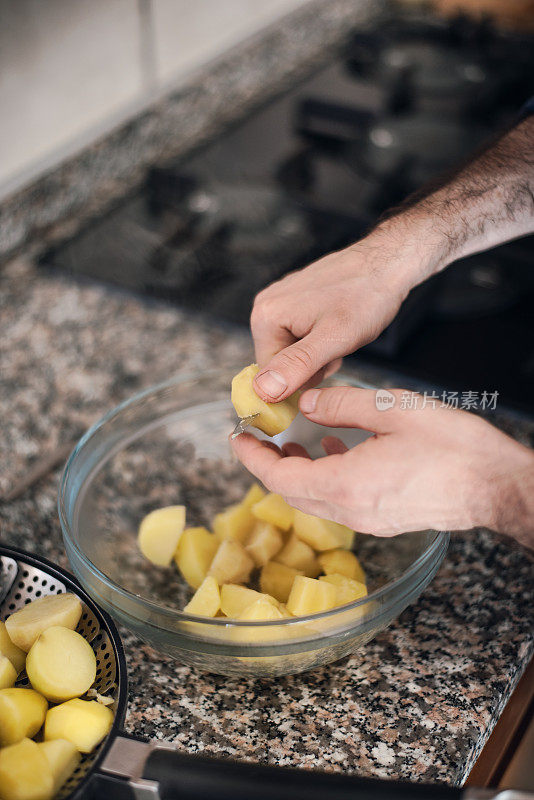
pixel 308 400
pixel 270 385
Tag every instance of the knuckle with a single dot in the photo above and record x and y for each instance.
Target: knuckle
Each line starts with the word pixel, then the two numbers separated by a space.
pixel 335 403
pixel 303 356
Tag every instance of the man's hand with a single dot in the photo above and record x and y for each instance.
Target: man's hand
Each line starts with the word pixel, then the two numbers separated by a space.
pixel 305 323
pixel 423 468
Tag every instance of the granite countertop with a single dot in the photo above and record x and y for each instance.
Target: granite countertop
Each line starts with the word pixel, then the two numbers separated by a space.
pixel 416 703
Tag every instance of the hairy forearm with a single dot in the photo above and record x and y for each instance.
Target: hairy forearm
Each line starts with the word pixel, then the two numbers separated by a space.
pixel 488 201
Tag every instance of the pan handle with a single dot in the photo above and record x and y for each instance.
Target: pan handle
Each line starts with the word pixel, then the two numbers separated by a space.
pixel 136 770
pixel 197 778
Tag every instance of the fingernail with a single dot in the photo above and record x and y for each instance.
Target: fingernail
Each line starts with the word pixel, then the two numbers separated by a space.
pixel 308 401
pixel 271 383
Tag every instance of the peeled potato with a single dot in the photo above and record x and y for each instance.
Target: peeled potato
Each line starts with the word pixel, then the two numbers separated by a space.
pixel 84 723
pixel 310 596
pixel 206 601
pixel 234 522
pixel 62 758
pixel 263 543
pixel 25 773
pixel 11 651
pixel 273 417
pixel 254 495
pixel 194 554
pixel 8 673
pixel 274 509
pixel 235 598
pixel 321 534
pixel 347 589
pixel 231 563
pixel 159 534
pixel 299 555
pixel 61 664
pixel 25 625
pixel 277 580
pixel 22 712
pixel 342 562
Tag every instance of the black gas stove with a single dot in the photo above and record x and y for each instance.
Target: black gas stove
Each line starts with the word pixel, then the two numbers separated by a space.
pixel 311 171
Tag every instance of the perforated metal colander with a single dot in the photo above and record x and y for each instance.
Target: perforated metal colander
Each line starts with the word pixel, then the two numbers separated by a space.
pixel 127 768
pixel 24 578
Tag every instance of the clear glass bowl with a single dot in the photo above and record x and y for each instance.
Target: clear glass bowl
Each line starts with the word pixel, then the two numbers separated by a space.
pixel 169 445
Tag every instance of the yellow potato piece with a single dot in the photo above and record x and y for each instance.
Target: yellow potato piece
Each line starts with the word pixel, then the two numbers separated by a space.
pixel 159 534
pixel 8 673
pixel 26 624
pixel 25 773
pixel 342 562
pixel 310 596
pixel 253 496
pixel 11 651
pixel 196 549
pixel 273 417
pixel 263 543
pixel 347 589
pixel 274 509
pixel 62 758
pixel 299 555
pixel 235 599
pixel 235 522
pixel 206 601
pixel 277 580
pixel 321 534
pixel 84 723
pixel 231 563
pixel 261 610
pixel 61 664
pixel 22 712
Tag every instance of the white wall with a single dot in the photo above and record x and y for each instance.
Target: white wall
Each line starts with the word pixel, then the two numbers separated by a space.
pixel 71 70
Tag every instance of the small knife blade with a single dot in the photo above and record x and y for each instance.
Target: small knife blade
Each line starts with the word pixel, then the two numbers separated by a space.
pixel 243 424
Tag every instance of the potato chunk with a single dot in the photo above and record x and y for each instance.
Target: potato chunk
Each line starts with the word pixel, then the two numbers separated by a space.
pixel 62 758
pixel 11 651
pixel 22 712
pixel 84 723
pixel 196 549
pixel 310 596
pixel 61 664
pixel 8 673
pixel 235 598
pixel 299 555
pixel 231 563
pixel 277 580
pixel 342 562
pixel 26 624
pixel 235 522
pixel 253 496
pixel 274 509
pixel 261 610
pixel 25 773
pixel 347 589
pixel 207 599
pixel 263 543
pixel 273 417
pixel 321 534
pixel 159 534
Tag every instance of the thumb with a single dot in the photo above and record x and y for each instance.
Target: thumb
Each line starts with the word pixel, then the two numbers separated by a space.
pixel 348 407
pixel 293 366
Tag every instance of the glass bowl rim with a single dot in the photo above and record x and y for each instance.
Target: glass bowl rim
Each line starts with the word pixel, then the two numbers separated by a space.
pixel 440 538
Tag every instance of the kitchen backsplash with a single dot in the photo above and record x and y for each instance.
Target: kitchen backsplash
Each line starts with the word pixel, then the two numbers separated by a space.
pixel 71 71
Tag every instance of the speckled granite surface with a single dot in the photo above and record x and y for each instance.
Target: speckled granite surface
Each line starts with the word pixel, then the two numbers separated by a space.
pixel 418 702
pixel 84 185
